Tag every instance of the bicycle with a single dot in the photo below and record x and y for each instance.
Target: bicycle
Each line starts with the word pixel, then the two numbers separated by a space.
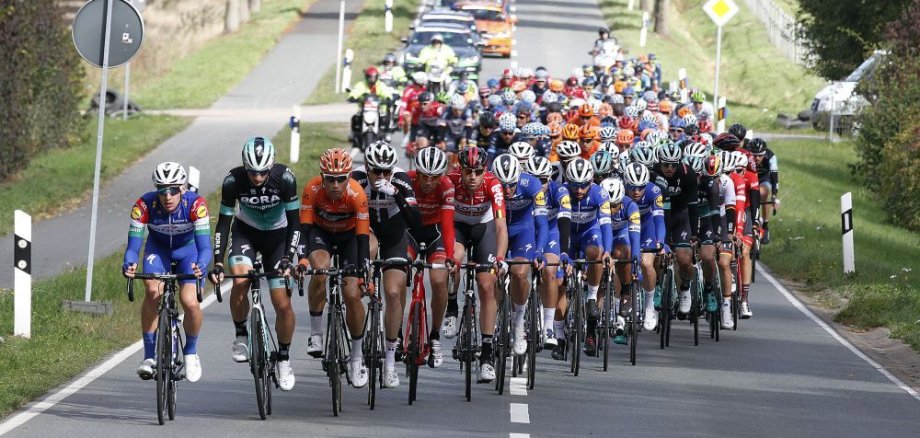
pixel 468 346
pixel 263 349
pixel 636 317
pixel 170 359
pixel 373 342
pixel 667 289
pixel 575 315
pixel 736 286
pixel 604 327
pixel 533 323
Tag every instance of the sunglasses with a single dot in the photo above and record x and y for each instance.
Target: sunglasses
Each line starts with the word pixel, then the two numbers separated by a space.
pixel 668 164
pixel 171 190
pixel 676 130
pixel 523 116
pixel 335 179
pixel 583 185
pixel 507 133
pixel 384 172
pixel 258 172
pixel 630 188
pixel 509 185
pixel 476 172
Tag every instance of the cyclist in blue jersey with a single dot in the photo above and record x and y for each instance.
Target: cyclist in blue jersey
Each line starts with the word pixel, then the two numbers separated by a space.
pixel 626 226
pixel 179 233
pixel 648 198
pixel 260 209
pixel 559 215
pixel 591 236
pixel 527 233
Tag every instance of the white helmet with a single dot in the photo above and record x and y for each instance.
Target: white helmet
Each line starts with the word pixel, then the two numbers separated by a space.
pixel 669 153
pixel 579 171
pixel 644 156
pixel 615 189
pixel 420 78
pixel 521 150
pixel 381 156
pixel 728 161
pixel 458 102
pixel 169 174
pixel 641 104
pixel 539 166
pixel 740 160
pixel 258 154
pixel 636 175
pixel 690 119
pixel 431 161
pixel 506 168
pixel 568 150
pixel 695 149
pixel 528 96
pixel 607 133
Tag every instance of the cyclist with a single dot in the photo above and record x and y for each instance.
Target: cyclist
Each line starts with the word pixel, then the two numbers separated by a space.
pixel 435 201
pixel 334 219
pixel 718 164
pixel 768 178
pixel 591 236
pixel 456 124
pixel 559 215
pixel 424 118
pixel 179 232
pixel 259 207
pixel 605 161
pixel 527 233
pixel 711 229
pixel 680 208
pixel 480 221
pixel 647 196
pixel 391 202
pixel 626 228
pixel 746 225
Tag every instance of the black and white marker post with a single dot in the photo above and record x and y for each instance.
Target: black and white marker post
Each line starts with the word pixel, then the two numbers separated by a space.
pixel 22 277
pixel 846 227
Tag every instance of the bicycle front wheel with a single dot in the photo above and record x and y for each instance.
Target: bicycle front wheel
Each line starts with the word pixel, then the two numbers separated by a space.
pixel 372 353
pixel 533 337
pixel 332 362
pixel 502 335
pixel 635 305
pixel 257 363
pixel 413 350
pixel 579 309
pixel 163 360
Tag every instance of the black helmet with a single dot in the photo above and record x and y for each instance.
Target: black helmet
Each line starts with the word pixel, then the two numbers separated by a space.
pixel 389 58
pixel 757 146
pixel 738 130
pixel 425 97
pixel 487 119
pixel 603 29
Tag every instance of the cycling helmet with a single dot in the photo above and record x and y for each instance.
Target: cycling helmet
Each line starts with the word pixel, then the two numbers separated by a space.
pixel 420 78
pixel 705 138
pixel 457 102
pixel 169 174
pixel 258 154
pixel 523 107
pixel 669 153
pixel 550 97
pixel 616 99
pixel 728 161
pixel 640 104
pixel 541 74
pixel 371 72
pixel 607 133
pixel 521 150
pixel 610 147
pixel 698 97
pixel 381 156
pixel 631 111
pixel 585 110
pixel 657 137
pixel 587 132
pixel 644 144
pixel 603 30
pixel 473 158
pixel 666 107
pixel 528 96
pixel 649 118
pixel 532 129
pixel 539 166
pixel 690 120
pixel 712 165
pixel 636 175
pixel 627 122
pixel 650 96
pixel 568 150
pixel 738 130
pixel 525 73
pixel 695 149
pixel 625 137
pixel 603 162
pixel 425 96
pixel 643 156
pixel 726 142
pixel 739 159
pixel 494 100
pixel 487 119
pixel 570 132
pixel 757 146
pixel 507 169
pixel 508 97
pixel 431 161
pixel 705 125
pixel 610 121
pixel 507 124
pixel 335 161
pixel 615 189
pixel 579 171
pixel 677 122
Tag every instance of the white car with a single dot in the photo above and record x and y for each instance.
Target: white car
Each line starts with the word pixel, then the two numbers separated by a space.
pixel 840 97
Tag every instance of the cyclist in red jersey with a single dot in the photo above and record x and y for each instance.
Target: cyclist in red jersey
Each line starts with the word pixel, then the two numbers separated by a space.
pixel 434 194
pixel 480 221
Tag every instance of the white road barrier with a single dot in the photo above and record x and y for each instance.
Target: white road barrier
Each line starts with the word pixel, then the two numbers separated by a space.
pixel 294 123
pixel 388 17
pixel 22 254
pixel 846 227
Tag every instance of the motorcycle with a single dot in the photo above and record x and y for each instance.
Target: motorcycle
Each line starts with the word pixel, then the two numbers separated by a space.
pixel 369 125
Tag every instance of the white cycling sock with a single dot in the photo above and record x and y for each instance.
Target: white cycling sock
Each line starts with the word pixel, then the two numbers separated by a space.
pixel 592 292
pixel 316 324
pixel 519 311
pixel 390 361
pixel 650 299
pixel 727 301
pixel 559 329
pixel 357 349
pixel 548 315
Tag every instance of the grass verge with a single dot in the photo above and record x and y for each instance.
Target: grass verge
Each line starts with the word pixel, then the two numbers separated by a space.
pixel 757 79
pixel 806 242
pixel 125 141
pixel 202 77
pixel 63 344
pixel 370 42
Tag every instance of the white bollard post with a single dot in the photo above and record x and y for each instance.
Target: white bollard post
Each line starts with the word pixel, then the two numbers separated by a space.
pixel 194 179
pixel 346 70
pixel 22 280
pixel 643 33
pixel 338 52
pixel 631 4
pixel 295 134
pixel 720 117
pixel 388 17
pixel 846 226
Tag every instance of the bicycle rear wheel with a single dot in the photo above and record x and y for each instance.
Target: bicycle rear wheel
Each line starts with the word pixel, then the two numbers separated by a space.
pixel 412 355
pixel 257 362
pixel 695 307
pixel 664 315
pixel 163 362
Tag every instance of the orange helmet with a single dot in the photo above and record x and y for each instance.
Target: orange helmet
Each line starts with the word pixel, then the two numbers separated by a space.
pixel 587 132
pixel 555 128
pixel 625 137
pixel 586 110
pixel 335 161
pixel 683 111
pixel 570 132
pixel 556 86
pixel 619 86
pixel 666 107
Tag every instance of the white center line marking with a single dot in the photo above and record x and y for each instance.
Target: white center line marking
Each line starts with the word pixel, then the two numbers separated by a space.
pixel 518 386
pixel 519 435
pixel 519 413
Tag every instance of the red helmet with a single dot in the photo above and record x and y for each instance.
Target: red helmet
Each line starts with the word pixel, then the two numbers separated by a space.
pixel 473 158
pixel 371 71
pixel 506 74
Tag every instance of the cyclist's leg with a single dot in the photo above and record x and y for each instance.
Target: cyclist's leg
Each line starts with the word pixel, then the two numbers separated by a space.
pixel 679 235
pixel 394 282
pixel 319 248
pixel 239 260
pixel 747 264
pixel 153 262
pixel 725 269
pixel 549 287
pixel 272 250
pixel 521 249
pixel 354 315
pixel 438 277
pixel 484 253
pixel 185 257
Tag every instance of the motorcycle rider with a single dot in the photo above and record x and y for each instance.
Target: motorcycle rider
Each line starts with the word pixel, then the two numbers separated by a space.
pixel 371 86
pixel 437 53
pixel 392 73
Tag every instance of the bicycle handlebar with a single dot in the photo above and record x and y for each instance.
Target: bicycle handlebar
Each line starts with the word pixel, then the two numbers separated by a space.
pixel 164 278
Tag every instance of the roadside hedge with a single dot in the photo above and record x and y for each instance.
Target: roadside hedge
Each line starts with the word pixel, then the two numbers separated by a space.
pixel 40 82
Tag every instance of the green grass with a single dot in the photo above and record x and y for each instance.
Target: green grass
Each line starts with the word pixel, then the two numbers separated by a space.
pixel 34 192
pixel 754 76
pixel 63 344
pixel 370 42
pixel 806 241
pixel 202 77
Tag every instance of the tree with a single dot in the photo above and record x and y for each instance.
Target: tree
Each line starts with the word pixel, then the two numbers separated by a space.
pixel 232 18
pixel 840 33
pixel 661 17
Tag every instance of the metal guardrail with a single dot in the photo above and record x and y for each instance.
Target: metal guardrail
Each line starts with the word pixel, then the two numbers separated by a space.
pixel 782 29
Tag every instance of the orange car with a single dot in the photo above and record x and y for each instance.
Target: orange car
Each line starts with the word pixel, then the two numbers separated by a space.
pixel 495 24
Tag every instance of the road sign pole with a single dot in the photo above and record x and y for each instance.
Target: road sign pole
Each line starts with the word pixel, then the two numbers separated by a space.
pixel 124 109
pixel 100 127
pixel 338 52
pixel 715 93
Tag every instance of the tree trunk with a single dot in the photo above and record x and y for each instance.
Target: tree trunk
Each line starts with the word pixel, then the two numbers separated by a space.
pixel 255 6
pixel 244 11
pixel 646 5
pixel 661 17
pixel 232 22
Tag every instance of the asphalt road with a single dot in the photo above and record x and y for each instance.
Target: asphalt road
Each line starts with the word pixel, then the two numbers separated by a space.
pixel 780 374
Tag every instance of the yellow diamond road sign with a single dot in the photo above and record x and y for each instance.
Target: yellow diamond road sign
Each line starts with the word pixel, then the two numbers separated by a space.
pixel 720 11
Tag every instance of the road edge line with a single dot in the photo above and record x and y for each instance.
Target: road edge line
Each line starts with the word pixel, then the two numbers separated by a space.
pixel 843 341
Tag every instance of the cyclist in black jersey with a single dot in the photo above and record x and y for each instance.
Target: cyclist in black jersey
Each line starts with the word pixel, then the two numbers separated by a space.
pixel 768 176
pixel 391 204
pixel 260 208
